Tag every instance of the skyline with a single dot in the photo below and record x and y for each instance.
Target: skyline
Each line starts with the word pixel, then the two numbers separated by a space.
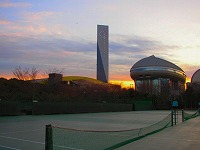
pixel 62 34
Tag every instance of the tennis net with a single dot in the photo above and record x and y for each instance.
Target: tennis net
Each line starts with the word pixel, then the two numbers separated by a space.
pixel 59 138
pixel 187 116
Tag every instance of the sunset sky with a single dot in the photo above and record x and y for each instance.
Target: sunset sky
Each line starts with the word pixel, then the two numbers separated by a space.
pixel 62 34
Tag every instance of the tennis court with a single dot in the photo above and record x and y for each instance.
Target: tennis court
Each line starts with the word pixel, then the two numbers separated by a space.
pixel 184 136
pixel 28 132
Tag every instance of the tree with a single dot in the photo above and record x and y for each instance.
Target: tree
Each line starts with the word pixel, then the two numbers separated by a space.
pixel 21 74
pixel 33 73
pixel 25 73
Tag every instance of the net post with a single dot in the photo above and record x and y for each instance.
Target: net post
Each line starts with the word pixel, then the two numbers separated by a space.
pixel 172 123
pixel 182 115
pixel 48 138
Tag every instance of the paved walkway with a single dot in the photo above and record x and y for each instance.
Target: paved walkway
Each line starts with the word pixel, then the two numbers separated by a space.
pixel 184 136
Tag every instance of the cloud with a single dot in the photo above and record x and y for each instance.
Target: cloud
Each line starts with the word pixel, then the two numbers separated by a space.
pixel 127 50
pixel 45 52
pixel 133 48
pixel 25 28
pixel 7 3
pixel 30 23
pixel 78 57
pixel 4 22
pixel 38 16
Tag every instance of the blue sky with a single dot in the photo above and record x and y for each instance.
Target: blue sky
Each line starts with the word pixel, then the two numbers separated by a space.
pixel 62 34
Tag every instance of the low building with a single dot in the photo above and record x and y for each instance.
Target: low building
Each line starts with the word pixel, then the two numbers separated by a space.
pixel 55 78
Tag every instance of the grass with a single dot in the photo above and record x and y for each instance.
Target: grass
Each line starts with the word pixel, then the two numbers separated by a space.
pixel 75 78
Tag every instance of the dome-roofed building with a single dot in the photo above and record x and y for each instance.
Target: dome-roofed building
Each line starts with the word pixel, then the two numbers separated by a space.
pixel 193 91
pixel 156 76
pixel 196 77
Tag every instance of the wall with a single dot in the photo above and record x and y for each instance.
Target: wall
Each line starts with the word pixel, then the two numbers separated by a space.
pixel 37 108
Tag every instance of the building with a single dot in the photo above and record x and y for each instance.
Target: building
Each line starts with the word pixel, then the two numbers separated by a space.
pixel 55 78
pixel 193 91
pixel 196 77
pixel 160 78
pixel 195 82
pixel 102 53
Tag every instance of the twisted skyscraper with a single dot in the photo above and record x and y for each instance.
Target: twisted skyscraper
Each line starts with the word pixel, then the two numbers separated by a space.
pixel 102 53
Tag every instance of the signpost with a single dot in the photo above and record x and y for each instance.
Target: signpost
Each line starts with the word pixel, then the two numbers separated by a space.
pixel 174 112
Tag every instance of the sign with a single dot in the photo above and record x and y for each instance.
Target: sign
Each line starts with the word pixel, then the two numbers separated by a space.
pixel 175 104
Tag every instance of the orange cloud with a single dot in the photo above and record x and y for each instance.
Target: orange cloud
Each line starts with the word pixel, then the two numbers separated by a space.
pixel 10 4
pixel 16 29
pixel 16 34
pixel 38 15
pixel 120 77
pixel 4 22
pixel 34 29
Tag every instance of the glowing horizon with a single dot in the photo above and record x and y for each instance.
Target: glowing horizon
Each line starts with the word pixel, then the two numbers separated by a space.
pixel 127 84
pixel 124 83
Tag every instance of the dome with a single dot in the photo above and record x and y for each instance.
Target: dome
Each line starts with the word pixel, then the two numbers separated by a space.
pixel 154 67
pixel 196 77
pixel 155 61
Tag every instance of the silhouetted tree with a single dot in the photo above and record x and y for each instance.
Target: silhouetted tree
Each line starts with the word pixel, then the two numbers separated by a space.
pixel 25 73
pixel 33 72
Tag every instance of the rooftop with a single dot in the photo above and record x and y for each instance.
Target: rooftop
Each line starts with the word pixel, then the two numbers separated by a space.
pixel 155 61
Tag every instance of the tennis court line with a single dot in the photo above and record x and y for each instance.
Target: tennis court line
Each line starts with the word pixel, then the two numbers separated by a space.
pixel 189 140
pixel 7 137
pixel 21 131
pixel 9 147
pixel 33 142
pixel 67 147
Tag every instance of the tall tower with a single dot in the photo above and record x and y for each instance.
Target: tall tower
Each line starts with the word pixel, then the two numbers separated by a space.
pixel 102 53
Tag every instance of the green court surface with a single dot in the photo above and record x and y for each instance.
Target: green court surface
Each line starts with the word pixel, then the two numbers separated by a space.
pixel 28 132
pixel 185 136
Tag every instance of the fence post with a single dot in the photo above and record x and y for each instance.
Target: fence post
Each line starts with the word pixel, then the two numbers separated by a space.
pixel 48 138
pixel 182 115
pixel 175 116
pixel 172 118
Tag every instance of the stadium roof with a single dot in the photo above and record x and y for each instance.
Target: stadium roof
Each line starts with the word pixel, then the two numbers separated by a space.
pixel 155 61
pixel 153 67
